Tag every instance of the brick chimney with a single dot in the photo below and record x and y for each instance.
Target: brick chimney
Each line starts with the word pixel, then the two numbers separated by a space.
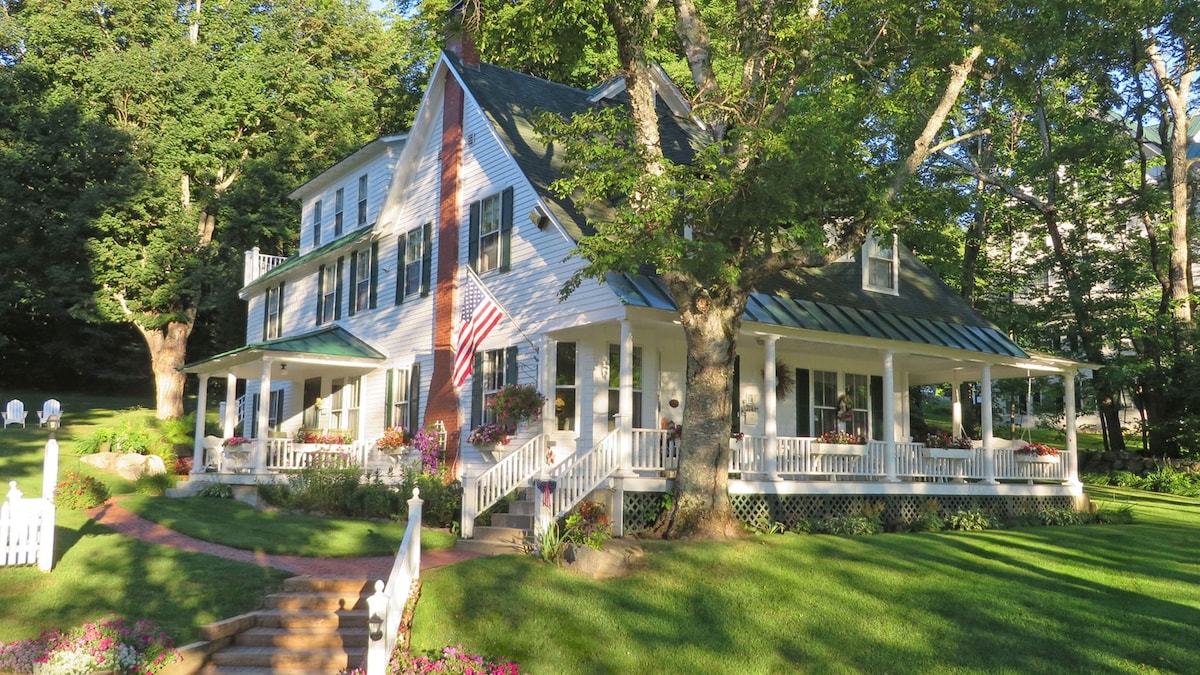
pixel 459 38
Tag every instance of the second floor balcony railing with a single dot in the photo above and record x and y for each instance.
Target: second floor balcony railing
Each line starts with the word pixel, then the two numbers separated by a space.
pixel 258 264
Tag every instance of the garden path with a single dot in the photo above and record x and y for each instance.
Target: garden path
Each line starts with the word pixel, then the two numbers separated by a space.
pixel 123 521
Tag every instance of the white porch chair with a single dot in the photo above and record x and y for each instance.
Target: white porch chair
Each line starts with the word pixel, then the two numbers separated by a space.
pixel 213 447
pixel 50 407
pixel 14 413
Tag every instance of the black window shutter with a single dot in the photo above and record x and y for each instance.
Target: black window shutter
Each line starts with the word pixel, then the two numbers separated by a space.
pixel 473 238
pixel 388 398
pixel 510 365
pixel 353 301
pixel 426 257
pixel 803 414
pixel 320 293
pixel 266 313
pixel 506 223
pixel 400 275
pixel 414 396
pixel 337 296
pixel 477 391
pixel 252 423
pixel 877 407
pixel 374 273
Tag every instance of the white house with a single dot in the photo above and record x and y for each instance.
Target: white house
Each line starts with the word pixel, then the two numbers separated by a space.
pixel 356 333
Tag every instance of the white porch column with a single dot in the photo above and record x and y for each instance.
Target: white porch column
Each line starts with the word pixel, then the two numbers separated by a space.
pixel 230 405
pixel 985 424
pixel 263 418
pixel 1072 468
pixel 956 425
pixel 199 452
pixel 1028 401
pixel 625 396
pixel 889 417
pixel 770 405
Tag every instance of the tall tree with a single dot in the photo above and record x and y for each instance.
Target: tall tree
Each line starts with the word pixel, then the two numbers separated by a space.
pixel 206 94
pixel 805 138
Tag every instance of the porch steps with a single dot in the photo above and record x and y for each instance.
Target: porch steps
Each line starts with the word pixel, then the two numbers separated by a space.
pixel 315 625
pixel 508 532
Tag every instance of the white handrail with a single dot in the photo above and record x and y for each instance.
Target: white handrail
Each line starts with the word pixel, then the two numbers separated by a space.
pixel 389 600
pixel 581 474
pixel 489 487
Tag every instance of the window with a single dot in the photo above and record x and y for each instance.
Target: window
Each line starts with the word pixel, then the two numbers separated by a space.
pixel 403 387
pixel 339 207
pixel 415 261
pixel 493 370
pixel 490 236
pixel 564 387
pixel 273 319
pixel 312 407
pixel 362 200
pixel 880 270
pixel 362 279
pixel 275 411
pixel 614 385
pixel 344 404
pixel 857 389
pixel 825 396
pixel 316 232
pixel 329 292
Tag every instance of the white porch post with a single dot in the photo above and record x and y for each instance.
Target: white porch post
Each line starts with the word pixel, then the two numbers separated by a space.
pixel 1072 468
pixel 198 448
pixel 230 405
pixel 956 425
pixel 889 417
pixel 770 424
pixel 985 424
pixel 263 417
pixel 625 396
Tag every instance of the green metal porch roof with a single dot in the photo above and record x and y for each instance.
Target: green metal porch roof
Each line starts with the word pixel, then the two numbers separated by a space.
pixel 333 342
pixel 298 260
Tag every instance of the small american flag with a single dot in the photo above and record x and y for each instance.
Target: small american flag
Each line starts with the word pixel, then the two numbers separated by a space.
pixel 480 314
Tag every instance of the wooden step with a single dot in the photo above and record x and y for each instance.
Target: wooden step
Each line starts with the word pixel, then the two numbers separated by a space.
pixel 309 600
pixel 324 584
pixel 326 660
pixel 324 619
pixel 297 638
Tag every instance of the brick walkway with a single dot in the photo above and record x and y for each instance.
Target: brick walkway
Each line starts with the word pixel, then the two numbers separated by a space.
pixel 123 521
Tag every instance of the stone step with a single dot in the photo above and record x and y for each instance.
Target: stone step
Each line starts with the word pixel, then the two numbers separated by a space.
pixel 327 660
pixel 323 619
pixel 524 507
pixel 322 584
pixel 304 638
pixel 515 521
pixel 212 669
pixel 504 535
pixel 311 600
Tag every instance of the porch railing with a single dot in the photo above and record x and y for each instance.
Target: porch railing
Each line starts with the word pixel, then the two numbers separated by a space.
pixel 284 454
pixel 582 473
pixel 489 487
pixel 390 600
pixel 258 264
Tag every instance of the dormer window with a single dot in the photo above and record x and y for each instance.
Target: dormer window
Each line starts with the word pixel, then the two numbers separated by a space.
pixel 880 266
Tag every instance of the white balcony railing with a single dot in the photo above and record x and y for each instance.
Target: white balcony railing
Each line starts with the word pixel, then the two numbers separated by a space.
pixel 258 264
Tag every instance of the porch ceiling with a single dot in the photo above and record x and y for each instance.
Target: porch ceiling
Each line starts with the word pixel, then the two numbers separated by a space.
pixel 329 351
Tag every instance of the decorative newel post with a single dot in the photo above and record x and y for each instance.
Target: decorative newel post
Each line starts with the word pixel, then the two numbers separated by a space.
pixel 377 609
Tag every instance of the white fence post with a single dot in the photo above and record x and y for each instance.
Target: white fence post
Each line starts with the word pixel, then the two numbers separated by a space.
pixel 377 618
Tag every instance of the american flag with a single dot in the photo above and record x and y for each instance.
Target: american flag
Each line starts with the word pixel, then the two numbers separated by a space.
pixel 480 314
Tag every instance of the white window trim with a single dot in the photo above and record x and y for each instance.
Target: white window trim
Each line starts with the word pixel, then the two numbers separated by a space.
pixel 870 250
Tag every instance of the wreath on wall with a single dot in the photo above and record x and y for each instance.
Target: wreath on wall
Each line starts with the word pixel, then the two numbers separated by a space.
pixel 785 379
pixel 845 408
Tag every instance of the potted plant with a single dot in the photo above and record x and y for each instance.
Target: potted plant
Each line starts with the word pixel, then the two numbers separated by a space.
pixel 394 440
pixel 516 404
pixel 837 442
pixel 1036 453
pixel 941 445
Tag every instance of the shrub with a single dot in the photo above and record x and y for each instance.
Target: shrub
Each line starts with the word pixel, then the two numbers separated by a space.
pixel 449 660
pixel 154 484
pixel 107 645
pixel 184 466
pixel 929 518
pixel 847 525
pixel 324 487
pixel 442 496
pixel 1060 517
pixel 78 492
pixel 374 500
pixel 588 526
pixel 970 520
pixel 1107 514
pixel 221 491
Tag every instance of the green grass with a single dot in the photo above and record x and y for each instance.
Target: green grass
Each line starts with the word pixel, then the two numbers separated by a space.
pixel 232 523
pixel 1088 599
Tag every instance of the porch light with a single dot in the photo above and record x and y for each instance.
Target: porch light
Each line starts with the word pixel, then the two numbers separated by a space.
pixel 283 368
pixel 52 424
pixel 375 624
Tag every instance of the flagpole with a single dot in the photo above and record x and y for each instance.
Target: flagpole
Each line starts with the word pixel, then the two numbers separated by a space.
pixel 483 287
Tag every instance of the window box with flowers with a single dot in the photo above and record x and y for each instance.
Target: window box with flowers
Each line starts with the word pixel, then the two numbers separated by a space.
pixel 1036 453
pixel 941 445
pixel 394 442
pixel 840 443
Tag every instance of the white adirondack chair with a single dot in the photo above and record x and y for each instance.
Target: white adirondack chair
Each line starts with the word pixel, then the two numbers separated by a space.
pixel 14 413
pixel 50 407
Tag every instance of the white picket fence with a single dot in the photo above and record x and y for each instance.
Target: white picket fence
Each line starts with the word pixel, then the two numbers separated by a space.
pixel 26 530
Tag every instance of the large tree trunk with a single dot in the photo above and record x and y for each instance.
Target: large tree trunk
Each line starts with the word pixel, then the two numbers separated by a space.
pixel 701 505
pixel 168 350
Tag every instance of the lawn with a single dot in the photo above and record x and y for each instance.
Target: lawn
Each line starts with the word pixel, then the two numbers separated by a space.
pixel 1094 599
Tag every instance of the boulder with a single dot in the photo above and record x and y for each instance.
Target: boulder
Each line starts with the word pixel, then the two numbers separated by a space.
pixel 612 560
pixel 126 465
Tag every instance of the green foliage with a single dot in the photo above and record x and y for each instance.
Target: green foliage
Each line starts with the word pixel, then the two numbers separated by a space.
pixel 971 520
pixel 929 518
pixel 154 484
pixel 442 498
pixel 79 492
pixel 1166 479
pixel 221 491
